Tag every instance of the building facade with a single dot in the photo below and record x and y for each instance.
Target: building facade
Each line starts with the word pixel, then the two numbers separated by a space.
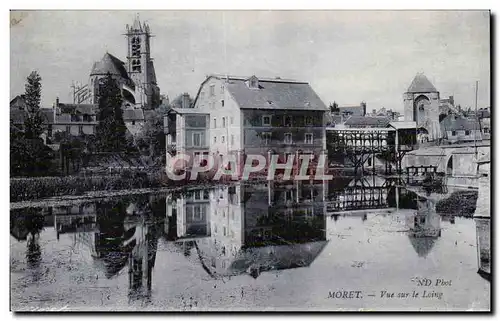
pixel 457 128
pixel 248 115
pixel 421 104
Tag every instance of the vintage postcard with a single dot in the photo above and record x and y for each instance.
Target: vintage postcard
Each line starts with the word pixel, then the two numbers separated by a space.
pixel 250 160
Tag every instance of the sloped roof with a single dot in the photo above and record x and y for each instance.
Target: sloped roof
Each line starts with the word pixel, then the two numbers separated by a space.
pixel 274 94
pixel 111 64
pixel 403 124
pixel 367 121
pixel 353 109
pixel 151 71
pixel 19 116
pixel 422 245
pixel 421 84
pixel 86 109
pixel 276 257
pixel 133 114
pixel 18 102
pixel 454 122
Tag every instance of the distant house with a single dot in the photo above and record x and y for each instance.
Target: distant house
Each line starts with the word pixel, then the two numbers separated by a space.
pixel 460 129
pixel 483 114
pixel 75 119
pixel 19 114
pixel 353 110
pixel 367 122
pixel 340 114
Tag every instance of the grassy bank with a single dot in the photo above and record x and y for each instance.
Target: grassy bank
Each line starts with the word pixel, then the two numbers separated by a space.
pixel 23 189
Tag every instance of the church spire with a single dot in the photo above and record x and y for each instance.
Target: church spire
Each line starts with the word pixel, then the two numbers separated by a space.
pixel 137 24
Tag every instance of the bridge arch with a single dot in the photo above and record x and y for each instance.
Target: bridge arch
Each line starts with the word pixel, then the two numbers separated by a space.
pixel 449 165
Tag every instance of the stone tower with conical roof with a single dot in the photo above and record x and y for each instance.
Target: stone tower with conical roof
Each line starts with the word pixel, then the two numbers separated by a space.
pixel 140 66
pixel 421 104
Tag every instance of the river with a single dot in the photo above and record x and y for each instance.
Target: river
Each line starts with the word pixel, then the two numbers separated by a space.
pixel 351 244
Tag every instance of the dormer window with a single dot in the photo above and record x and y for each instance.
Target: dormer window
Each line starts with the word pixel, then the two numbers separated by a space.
pixel 252 82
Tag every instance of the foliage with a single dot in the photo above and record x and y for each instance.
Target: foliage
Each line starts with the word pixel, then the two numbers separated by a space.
pixel 29 156
pixel 22 189
pixel 151 140
pixel 111 129
pixel 460 203
pixel 334 107
pixel 33 122
pixel 177 102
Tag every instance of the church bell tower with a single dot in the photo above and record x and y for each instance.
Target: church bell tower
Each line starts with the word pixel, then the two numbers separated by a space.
pixel 140 65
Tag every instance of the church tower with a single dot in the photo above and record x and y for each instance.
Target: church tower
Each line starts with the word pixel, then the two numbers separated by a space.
pixel 140 66
pixel 421 104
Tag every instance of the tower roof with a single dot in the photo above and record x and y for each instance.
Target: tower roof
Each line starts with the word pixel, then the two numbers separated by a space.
pixel 137 24
pixel 111 64
pixel 421 84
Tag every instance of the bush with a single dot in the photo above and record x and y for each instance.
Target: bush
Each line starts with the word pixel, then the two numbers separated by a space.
pixel 461 203
pixel 22 189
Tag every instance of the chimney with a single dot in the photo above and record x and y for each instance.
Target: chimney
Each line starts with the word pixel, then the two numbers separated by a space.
pixel 363 104
pixel 185 100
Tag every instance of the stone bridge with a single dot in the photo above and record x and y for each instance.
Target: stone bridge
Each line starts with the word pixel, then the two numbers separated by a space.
pixel 458 160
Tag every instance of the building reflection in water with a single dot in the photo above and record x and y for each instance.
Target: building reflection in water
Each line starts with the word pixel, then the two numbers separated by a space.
pixel 424 226
pixel 248 229
pixel 116 234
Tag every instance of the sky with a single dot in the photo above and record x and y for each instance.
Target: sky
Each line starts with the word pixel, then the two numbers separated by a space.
pixel 346 56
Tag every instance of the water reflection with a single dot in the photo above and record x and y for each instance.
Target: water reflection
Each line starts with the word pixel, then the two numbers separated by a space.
pixel 424 226
pixel 116 234
pixel 250 229
pixel 230 231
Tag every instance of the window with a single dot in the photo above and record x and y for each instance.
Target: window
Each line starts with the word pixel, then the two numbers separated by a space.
pixel 68 129
pixel 80 130
pixel 232 140
pixel 266 138
pixel 453 133
pixel 223 139
pixel 308 138
pixel 287 121
pixel 288 138
pixel 222 102
pixel 224 231
pixel 309 121
pixel 486 130
pixel 222 91
pixel 467 132
pixel 215 139
pixel 212 90
pixel 215 122
pixel 197 214
pixel 196 139
pixel 266 120
pixel 223 122
pixel 136 65
pixel 133 122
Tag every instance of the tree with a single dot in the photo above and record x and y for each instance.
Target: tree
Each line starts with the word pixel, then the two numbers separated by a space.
pixel 334 107
pixel 151 140
pixel 33 123
pixel 111 129
pixel 28 154
pixel 177 102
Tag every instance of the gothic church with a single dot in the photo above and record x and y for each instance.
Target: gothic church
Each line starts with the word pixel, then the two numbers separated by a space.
pixel 136 77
